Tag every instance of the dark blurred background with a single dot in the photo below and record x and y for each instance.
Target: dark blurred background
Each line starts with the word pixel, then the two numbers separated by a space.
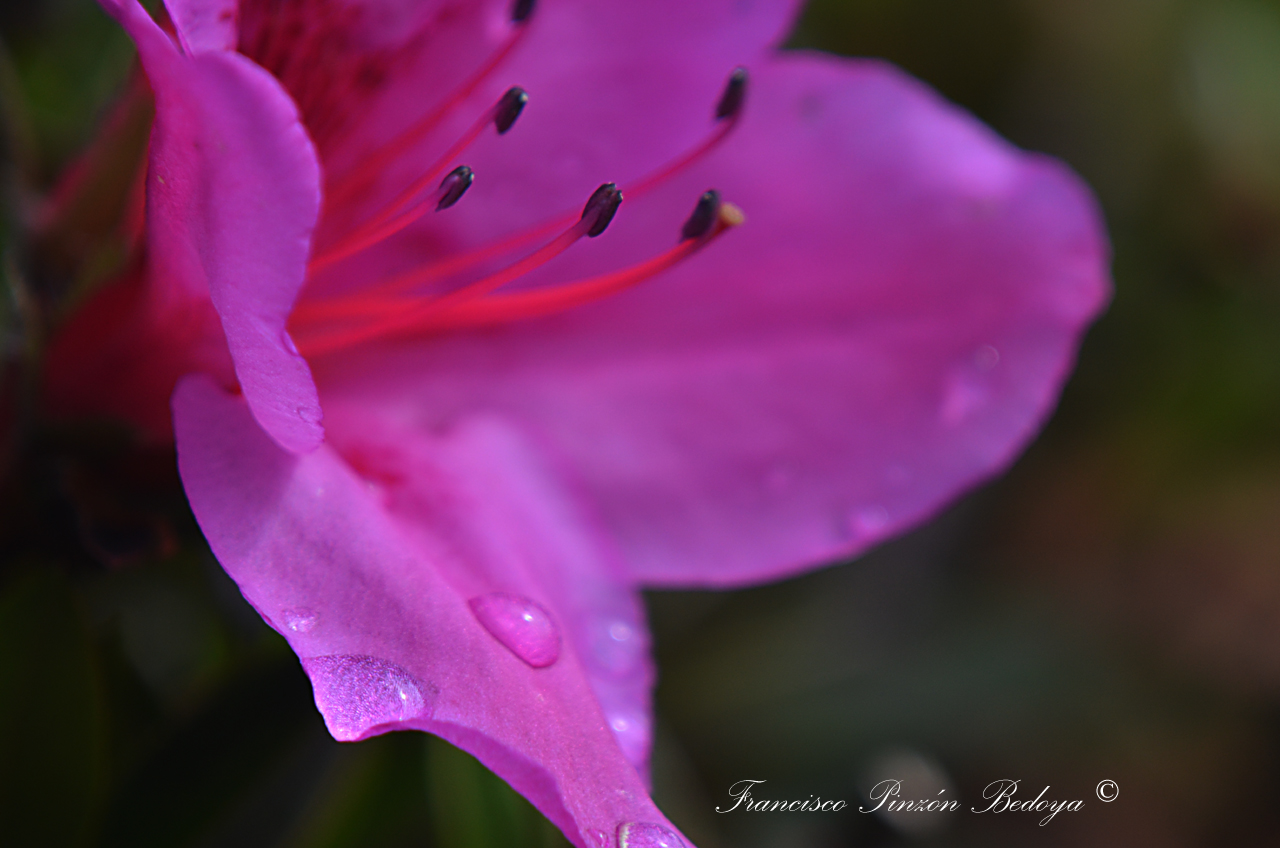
pixel 1109 610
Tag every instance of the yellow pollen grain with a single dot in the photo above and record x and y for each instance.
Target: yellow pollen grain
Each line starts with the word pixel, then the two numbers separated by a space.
pixel 731 216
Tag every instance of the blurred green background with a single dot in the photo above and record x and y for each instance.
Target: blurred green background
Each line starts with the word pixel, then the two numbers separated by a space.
pixel 1108 610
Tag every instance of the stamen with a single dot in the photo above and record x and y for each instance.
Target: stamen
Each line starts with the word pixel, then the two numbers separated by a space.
pixel 509 108
pixel 600 209
pixel 704 215
pixel 362 175
pixel 735 94
pixel 454 185
pixel 521 10
pixel 408 206
pixel 728 110
pixel 475 305
pixel 538 303
pixel 391 313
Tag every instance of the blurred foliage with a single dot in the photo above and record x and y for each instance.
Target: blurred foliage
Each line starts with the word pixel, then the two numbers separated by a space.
pixel 1109 610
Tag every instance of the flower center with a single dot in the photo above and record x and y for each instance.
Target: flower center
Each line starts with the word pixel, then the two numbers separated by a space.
pixel 463 289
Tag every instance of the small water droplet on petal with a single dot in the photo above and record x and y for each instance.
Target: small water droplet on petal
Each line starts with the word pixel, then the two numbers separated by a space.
pixel 963 396
pixel 522 626
pixel 631 729
pixel 299 620
pixel 986 357
pixel 599 838
pixel 868 521
pixel 642 835
pixel 309 415
pixel 287 341
pixel 356 693
pixel 617 647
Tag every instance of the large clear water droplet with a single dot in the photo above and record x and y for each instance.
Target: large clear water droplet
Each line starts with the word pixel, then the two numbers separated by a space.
pixel 525 628
pixel 642 835
pixel 356 693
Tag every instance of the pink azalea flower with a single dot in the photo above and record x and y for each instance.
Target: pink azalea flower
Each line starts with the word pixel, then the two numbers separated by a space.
pixel 522 425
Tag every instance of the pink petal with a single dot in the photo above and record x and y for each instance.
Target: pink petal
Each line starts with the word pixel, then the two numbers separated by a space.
pixel 369 578
pixel 232 197
pixel 889 328
pixel 204 25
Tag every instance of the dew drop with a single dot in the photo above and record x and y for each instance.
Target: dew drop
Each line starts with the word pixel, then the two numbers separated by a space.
pixel 355 693
pixel 617 647
pixel 868 521
pixel 963 396
pixel 299 620
pixel 522 626
pixel 642 835
pixel 631 729
pixel 986 358
pixel 287 341
pixel 599 838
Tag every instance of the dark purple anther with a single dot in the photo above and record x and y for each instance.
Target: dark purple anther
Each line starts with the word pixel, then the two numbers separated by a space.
pixel 601 207
pixel 521 10
pixel 735 92
pixel 454 185
pixel 509 108
pixel 704 215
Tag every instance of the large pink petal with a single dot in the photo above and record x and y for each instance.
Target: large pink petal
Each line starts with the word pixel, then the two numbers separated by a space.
pixel 372 579
pixel 890 327
pixel 232 197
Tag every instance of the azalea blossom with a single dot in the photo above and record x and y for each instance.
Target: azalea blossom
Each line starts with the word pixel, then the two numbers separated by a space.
pixel 698 313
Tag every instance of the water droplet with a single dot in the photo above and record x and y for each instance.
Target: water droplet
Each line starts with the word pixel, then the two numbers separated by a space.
pixel 287 341
pixel 986 358
pixel 963 396
pixel 311 415
pixel 642 835
pixel 519 624
pixel 868 521
pixel 355 693
pixel 616 646
pixel 299 620
pixel 599 838
pixel 631 729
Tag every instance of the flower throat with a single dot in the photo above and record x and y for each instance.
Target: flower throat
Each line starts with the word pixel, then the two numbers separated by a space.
pixel 304 44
